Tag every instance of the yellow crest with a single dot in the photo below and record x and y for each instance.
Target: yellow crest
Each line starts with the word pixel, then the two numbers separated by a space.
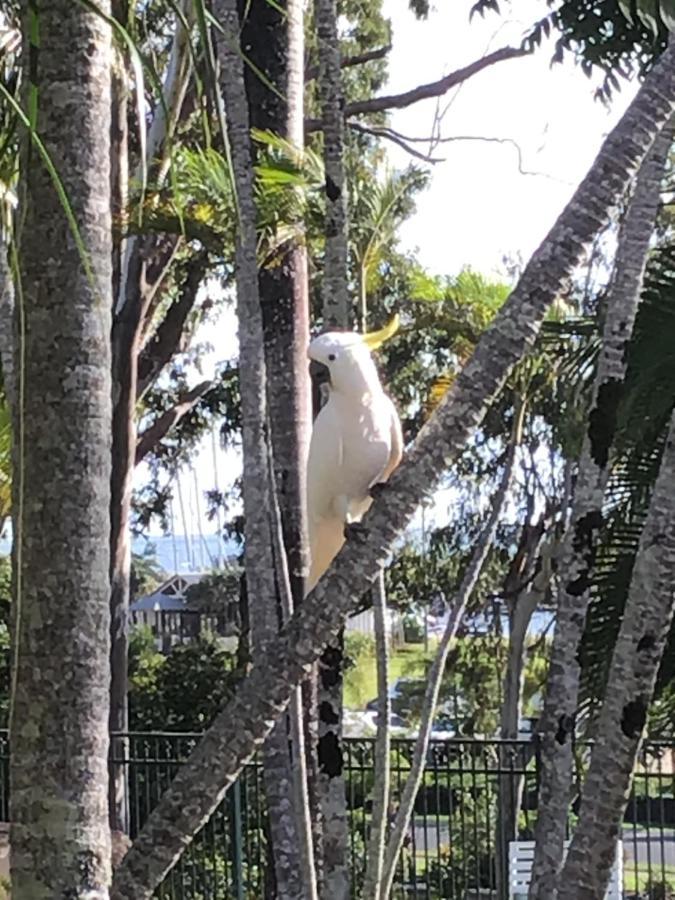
pixel 374 339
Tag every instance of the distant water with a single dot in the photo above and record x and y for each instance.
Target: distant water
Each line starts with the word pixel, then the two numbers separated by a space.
pixel 179 553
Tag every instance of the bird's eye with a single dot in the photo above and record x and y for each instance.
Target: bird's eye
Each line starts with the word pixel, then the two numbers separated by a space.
pixel 331 357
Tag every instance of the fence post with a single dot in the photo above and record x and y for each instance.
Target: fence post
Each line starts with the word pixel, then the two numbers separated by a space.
pixel 236 841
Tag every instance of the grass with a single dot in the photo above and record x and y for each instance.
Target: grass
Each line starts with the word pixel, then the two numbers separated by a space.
pixel 360 687
pixel 636 878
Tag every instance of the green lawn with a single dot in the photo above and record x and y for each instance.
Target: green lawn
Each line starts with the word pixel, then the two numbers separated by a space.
pixel 361 681
pixel 638 880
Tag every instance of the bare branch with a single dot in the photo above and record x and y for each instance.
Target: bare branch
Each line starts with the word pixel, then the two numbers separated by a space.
pixel 349 61
pixel 395 138
pixel 154 433
pixel 404 141
pixel 425 91
pixel 170 333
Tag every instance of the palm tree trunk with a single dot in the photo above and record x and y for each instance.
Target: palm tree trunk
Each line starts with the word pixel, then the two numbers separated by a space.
pixel 7 322
pixel 635 663
pixel 336 303
pixel 262 695
pixel 557 724
pixel 59 765
pixel 273 44
pixel 337 313
pixel 139 266
pixel 372 886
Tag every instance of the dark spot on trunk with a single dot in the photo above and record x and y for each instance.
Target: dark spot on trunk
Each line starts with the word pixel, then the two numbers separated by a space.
pixel 646 642
pixel 330 755
pixel 565 728
pixel 634 717
pixel 330 667
pixel 584 532
pixel 602 421
pixel 584 545
pixel 332 190
pixel 580 585
pixel 327 714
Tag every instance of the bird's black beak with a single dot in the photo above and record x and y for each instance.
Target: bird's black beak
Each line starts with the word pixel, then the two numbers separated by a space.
pixel 319 373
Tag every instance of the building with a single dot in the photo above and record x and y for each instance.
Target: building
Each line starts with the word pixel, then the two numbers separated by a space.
pixel 167 613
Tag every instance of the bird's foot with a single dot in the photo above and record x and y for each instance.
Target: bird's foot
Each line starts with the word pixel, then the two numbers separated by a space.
pixel 376 490
pixel 355 531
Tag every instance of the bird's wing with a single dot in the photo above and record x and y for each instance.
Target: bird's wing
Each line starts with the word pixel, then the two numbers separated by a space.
pixel 395 445
pixel 324 461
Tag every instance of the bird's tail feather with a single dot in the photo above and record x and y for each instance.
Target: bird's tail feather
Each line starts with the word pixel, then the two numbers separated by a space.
pixel 327 538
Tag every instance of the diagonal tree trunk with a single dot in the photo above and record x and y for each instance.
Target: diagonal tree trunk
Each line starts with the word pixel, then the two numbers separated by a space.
pixel 557 724
pixel 635 663
pixel 273 43
pixel 246 721
pixel 59 834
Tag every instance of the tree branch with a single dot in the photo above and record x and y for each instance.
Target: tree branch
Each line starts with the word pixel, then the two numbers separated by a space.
pixel 349 61
pixel 154 433
pixel 247 719
pixel 424 91
pixel 169 334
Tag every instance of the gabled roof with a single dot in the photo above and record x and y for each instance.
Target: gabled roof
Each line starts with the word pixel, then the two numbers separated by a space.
pixel 170 596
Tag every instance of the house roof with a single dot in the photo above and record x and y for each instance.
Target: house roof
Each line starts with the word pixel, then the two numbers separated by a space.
pixel 169 596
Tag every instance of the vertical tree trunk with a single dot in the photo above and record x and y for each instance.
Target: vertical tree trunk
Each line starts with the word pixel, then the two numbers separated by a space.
pixel 337 313
pixel 273 42
pixel 558 720
pixel 7 321
pixel 372 887
pixel 120 558
pixel 59 783
pixel 635 662
pixel 272 313
pixel 139 267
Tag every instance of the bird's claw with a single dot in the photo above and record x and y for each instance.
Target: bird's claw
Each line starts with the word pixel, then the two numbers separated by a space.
pixel 355 531
pixel 376 490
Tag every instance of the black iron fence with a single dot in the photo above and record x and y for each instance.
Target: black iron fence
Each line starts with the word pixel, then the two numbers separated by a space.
pixel 456 847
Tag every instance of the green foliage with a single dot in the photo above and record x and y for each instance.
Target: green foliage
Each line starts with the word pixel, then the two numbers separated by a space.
pixel 215 592
pixel 146 572
pixel 357 648
pixel 179 692
pixel 645 407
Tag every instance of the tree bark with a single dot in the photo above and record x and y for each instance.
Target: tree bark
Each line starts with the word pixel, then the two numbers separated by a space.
pixel 246 721
pixel 635 662
pixel 557 723
pixel 273 42
pixel 525 589
pixel 336 302
pixel 59 763
pixel 143 262
pixel 7 322
pixel 336 313
pixel 372 886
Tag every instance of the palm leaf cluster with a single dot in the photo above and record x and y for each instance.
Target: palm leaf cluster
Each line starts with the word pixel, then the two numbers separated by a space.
pixel 200 201
pixel 645 406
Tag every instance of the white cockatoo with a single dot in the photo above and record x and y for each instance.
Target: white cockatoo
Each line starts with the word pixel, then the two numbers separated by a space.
pixel 356 440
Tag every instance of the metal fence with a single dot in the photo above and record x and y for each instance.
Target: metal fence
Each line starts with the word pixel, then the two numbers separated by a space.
pixel 456 847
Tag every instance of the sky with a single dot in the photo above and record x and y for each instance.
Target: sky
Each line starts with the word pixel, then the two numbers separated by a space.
pixel 479 208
